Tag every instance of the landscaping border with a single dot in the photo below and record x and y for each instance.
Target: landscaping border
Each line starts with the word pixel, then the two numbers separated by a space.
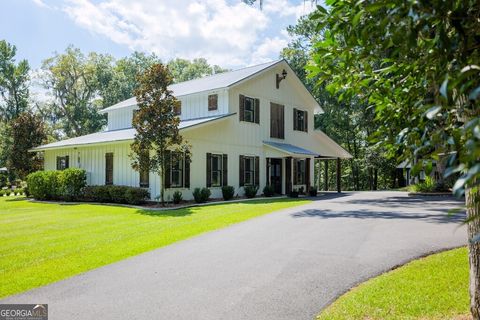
pixel 158 209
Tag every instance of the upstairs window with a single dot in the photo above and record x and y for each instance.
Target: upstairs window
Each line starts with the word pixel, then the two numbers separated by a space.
pixel 212 102
pixel 178 108
pixel 277 121
pixel 300 120
pixel 62 163
pixel 249 109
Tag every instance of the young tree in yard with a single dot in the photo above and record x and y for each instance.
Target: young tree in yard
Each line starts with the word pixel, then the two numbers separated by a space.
pixel 417 64
pixel 157 124
pixel 26 131
pixel 13 83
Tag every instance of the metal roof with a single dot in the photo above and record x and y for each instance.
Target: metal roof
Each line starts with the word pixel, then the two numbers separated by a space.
pixel 118 135
pixel 290 148
pixel 216 81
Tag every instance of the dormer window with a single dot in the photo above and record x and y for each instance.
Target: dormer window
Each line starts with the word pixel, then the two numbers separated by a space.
pixel 300 120
pixel 249 109
pixel 212 102
pixel 178 108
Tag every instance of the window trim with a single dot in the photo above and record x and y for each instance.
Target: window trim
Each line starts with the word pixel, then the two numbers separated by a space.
pixel 66 162
pixel 213 102
pixel 303 125
pixel 219 170
pixel 252 170
pixel 143 183
pixel 252 103
pixel 178 111
pixel 181 170
pixel 109 182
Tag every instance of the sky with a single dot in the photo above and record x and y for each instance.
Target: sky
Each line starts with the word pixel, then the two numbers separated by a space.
pixel 228 33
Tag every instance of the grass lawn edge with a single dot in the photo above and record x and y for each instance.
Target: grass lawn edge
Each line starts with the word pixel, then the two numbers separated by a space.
pixel 365 281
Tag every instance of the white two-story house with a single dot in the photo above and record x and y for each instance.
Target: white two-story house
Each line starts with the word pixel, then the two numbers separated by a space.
pixel 253 126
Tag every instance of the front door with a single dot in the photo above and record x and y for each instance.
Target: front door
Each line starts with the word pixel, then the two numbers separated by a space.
pixel 276 175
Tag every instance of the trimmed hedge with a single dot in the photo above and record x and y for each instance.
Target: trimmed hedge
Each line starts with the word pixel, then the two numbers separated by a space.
pixel 44 185
pixel 201 195
pixel 70 185
pixel 115 194
pixel 228 192
pixel 250 191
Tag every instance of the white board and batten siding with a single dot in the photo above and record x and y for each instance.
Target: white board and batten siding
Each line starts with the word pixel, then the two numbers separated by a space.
pixel 92 160
pixel 194 106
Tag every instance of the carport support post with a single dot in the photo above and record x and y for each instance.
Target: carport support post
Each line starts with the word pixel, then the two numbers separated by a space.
pixel 326 174
pixel 339 175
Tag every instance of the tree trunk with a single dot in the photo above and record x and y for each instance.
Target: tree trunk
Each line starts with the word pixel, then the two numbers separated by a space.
pixel 472 200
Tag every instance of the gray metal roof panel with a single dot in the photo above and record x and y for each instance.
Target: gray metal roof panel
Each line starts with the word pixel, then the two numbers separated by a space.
pixel 216 81
pixel 290 148
pixel 118 135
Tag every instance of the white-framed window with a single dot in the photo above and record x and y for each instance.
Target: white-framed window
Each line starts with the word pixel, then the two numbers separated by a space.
pixel 217 170
pixel 249 111
pixel 249 171
pixel 177 172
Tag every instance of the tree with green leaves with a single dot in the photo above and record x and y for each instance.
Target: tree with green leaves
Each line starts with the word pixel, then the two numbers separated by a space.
pixel 417 65
pixel 71 77
pixel 184 70
pixel 349 124
pixel 26 131
pixel 156 124
pixel 14 79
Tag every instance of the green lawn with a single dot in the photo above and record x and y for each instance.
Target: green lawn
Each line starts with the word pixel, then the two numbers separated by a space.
pixel 435 287
pixel 42 243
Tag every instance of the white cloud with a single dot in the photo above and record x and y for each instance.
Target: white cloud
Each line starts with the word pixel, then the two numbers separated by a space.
pixel 40 3
pixel 224 32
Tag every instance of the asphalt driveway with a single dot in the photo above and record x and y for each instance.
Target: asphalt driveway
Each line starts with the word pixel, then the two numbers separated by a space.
pixel 285 265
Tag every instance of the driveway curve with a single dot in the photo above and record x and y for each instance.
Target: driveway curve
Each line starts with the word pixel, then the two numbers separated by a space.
pixel 286 265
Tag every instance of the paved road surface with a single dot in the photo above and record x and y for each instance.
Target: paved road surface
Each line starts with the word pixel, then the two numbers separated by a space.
pixel 285 265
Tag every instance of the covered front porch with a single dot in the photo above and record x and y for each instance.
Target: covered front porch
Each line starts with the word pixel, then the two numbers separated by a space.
pixel 292 168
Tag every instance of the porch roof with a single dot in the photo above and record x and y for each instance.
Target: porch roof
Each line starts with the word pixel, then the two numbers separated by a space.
pixel 290 148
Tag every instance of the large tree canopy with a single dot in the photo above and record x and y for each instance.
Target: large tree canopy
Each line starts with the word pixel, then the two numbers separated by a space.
pixel 416 63
pixel 14 78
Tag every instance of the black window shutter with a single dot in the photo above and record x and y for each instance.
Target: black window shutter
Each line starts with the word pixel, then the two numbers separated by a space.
pixel 307 173
pixel 241 108
pixel 242 169
pixel 305 118
pixel 187 172
pixel 257 171
pixel 225 170
pixel 294 119
pixel 257 110
pixel 273 121
pixel 58 163
pixel 67 162
pixel 168 169
pixel 281 123
pixel 295 169
pixel 209 170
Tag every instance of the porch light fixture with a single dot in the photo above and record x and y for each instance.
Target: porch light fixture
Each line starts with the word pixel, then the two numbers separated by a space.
pixel 280 77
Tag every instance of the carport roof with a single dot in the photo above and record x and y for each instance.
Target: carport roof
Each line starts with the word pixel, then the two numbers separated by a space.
pixel 290 148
